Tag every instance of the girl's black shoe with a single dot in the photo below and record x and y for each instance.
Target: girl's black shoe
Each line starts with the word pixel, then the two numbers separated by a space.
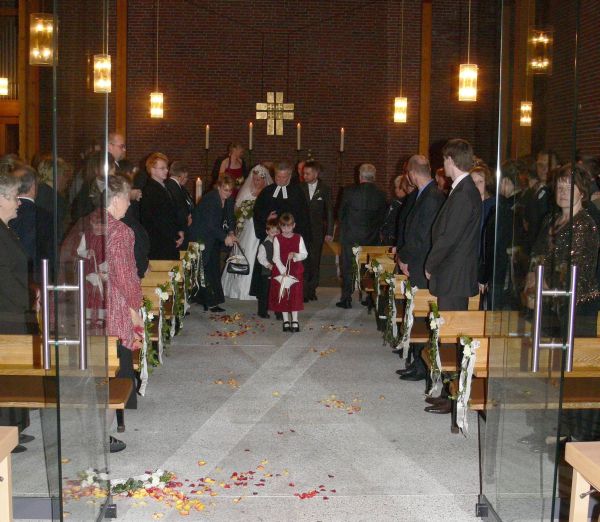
pixel 295 326
pixel 286 326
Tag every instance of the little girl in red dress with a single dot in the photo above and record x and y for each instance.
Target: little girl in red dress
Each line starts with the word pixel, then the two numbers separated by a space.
pixel 289 251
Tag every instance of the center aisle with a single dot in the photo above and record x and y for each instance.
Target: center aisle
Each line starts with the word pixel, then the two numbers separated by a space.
pixel 320 418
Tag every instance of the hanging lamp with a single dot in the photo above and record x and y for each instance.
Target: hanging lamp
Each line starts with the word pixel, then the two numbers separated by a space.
pixel 3 86
pixel 540 46
pixel 102 73
pixel 401 102
pixel 41 39
pixel 156 97
pixel 467 77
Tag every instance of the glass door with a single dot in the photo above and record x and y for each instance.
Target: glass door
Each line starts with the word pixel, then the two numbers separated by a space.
pixel 69 367
pixel 544 290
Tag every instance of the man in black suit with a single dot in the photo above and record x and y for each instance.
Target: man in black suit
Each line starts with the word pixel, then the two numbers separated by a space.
pixel 178 176
pixel 451 265
pixel 362 212
pixel 411 254
pixel 33 224
pixel 318 197
pixel 278 198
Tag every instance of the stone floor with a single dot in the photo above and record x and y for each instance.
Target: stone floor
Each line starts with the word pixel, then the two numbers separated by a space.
pixel 320 411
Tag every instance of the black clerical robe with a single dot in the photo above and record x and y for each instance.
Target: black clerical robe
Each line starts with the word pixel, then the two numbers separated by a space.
pixel 295 204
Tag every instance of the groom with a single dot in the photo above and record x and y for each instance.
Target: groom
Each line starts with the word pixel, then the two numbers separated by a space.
pixel 282 197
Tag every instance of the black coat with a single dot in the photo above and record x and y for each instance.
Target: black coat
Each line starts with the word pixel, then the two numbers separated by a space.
pixel 183 200
pixel 454 257
pixel 141 247
pixel 159 217
pixel 207 222
pixel 362 212
pixel 14 290
pixel 33 227
pixel 295 204
pixel 320 209
pixel 417 232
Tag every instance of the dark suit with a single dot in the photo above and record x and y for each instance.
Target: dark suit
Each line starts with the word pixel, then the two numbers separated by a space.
pixel 185 205
pixel 417 232
pixel 141 247
pixel 211 222
pixel 320 209
pixel 295 204
pixel 362 212
pixel 454 256
pixel 159 217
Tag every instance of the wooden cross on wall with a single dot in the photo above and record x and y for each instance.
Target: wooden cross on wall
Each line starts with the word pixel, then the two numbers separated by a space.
pixel 274 111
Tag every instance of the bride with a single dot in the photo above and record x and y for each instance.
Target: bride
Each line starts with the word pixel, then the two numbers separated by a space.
pixel 238 286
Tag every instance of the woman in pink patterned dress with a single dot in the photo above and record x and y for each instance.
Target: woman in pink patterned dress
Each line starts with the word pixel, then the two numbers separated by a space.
pixel 289 250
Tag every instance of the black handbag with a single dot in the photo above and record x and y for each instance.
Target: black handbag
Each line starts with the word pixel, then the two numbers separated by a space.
pixel 237 262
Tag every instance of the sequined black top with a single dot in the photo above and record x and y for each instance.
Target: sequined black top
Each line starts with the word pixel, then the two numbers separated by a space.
pixel 552 249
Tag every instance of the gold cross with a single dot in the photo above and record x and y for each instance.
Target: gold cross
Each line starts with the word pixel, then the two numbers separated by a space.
pixel 275 111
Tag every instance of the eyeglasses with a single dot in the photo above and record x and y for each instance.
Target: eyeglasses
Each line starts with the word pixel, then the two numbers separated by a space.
pixel 122 146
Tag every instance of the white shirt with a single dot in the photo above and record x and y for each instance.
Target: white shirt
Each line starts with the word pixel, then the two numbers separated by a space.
pixel 312 187
pixel 262 255
pixel 458 180
pixel 281 189
pixel 298 256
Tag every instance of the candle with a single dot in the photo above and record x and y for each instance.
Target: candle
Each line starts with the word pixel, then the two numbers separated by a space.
pixel 250 126
pixel 342 139
pixel 207 140
pixel 198 188
pixel 298 142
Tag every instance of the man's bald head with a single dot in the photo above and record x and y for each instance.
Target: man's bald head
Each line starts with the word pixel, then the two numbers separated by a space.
pixel 419 170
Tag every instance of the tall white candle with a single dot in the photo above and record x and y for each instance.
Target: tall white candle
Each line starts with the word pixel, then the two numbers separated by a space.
pixel 250 127
pixel 207 139
pixel 342 139
pixel 298 141
pixel 198 188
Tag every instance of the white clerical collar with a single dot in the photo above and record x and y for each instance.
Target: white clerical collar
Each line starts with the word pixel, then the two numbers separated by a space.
pixel 281 189
pixel 27 198
pixel 458 180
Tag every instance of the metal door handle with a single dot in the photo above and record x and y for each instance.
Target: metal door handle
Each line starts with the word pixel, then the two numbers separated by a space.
pixel 537 318
pixel 80 289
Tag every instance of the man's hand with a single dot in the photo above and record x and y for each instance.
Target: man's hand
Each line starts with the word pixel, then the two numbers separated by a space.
pixel 404 268
pixel 135 194
pixel 189 220
pixel 427 275
pixel 179 239
pixel 272 215
pixel 329 239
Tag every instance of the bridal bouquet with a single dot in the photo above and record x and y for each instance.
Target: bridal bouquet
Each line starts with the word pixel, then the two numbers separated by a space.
pixel 243 213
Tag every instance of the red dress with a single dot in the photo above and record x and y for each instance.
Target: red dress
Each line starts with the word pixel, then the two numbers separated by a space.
pixel 237 175
pixel 295 302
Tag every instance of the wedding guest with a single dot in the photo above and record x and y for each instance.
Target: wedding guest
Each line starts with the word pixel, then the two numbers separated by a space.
pixel 234 166
pixel 361 214
pixel 15 315
pixel 234 285
pixel 442 180
pixel 116 147
pixel 279 198
pixel 86 200
pixel 265 259
pixel 213 223
pixel 159 211
pixel 176 185
pixel 45 189
pixel 320 205
pixel 412 253
pixel 391 224
pixel 452 264
pixel 289 251
pixel 130 171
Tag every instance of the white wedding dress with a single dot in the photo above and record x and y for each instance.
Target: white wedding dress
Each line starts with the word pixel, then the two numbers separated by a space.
pixel 238 286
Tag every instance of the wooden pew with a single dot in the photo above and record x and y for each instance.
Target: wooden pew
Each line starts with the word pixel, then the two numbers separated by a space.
pixel 22 355
pixel 164 265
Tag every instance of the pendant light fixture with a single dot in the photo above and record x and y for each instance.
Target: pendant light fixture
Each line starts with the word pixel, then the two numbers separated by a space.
pixel 526 107
pixel 156 97
pixel 540 47
pixel 41 39
pixel 401 102
pixel 102 62
pixel 3 86
pixel 467 78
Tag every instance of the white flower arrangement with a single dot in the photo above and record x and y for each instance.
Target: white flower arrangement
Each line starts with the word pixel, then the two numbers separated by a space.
pixel 90 477
pixel 467 366
pixel 162 295
pixel 356 250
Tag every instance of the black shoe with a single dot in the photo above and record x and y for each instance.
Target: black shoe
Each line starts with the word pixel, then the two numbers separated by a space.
pixel 412 376
pixel 116 445
pixel 435 400
pixel 344 303
pixel 205 307
pixel 313 297
pixel 264 316
pixel 217 309
pixel 442 408
pixel 295 326
pixel 286 326
pixel 19 449
pixel 410 369
pixel 306 299
pixel 24 439
pixel 278 316
pixel 121 428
